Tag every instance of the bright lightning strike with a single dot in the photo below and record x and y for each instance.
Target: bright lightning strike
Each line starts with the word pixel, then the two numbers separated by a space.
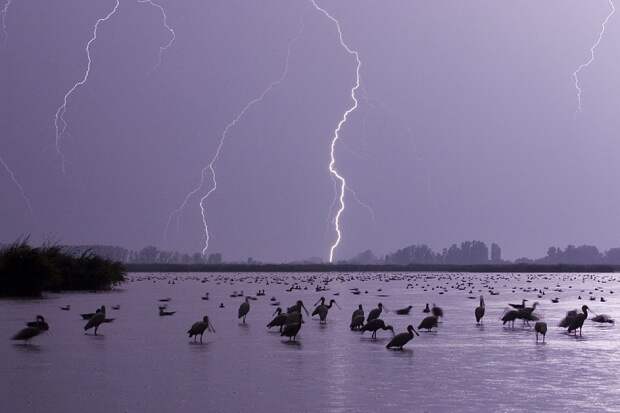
pixel 3 12
pixel 592 49
pixel 59 121
pixel 166 46
pixel 211 166
pixel 332 163
pixel 19 186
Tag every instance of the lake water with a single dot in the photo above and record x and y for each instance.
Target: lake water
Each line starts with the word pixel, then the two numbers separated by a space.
pixel 146 363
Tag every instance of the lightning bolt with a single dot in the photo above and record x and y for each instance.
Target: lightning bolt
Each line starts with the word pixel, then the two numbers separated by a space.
pixel 211 166
pixel 59 121
pixel 19 186
pixel 3 12
pixel 166 46
pixel 591 58
pixel 332 162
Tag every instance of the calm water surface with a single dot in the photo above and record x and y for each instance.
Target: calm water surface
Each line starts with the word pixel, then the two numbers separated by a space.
pixel 146 363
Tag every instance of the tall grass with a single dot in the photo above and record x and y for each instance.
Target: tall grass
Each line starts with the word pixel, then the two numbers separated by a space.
pixel 27 271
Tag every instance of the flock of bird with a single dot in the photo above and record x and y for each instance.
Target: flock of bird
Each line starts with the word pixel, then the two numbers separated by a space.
pixel 290 321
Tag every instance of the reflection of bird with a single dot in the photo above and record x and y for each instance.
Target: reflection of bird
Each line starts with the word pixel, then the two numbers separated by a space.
pixel 404 311
pixel 479 311
pixel 96 320
pixel 279 320
pixel 399 340
pixel 375 325
pixel 428 323
pixel 375 313
pixel 199 328
pixel 244 309
pixel 540 327
pixel 34 329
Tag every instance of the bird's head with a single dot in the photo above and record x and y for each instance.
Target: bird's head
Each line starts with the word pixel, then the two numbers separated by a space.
pixel 584 308
pixel 321 300
pixel 360 307
pixel 278 311
pixel 412 330
pixel 389 327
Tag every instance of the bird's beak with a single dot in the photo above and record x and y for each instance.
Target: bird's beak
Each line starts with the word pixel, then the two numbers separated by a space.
pixel 315 304
pixel 304 307
pixel 337 305
pixel 416 332
pixel 275 312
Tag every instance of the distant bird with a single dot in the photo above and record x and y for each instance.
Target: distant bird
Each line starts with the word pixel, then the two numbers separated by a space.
pixel 399 340
pixel 165 300
pixel 510 316
pixel 375 313
pixel 518 306
pixel 96 320
pixel 244 309
pixel 199 328
pixel 428 323
pixel 374 325
pixel 540 327
pixel 279 320
pixel 323 309
pixel 404 311
pixel 66 307
pixel 163 312
pixel 426 309
pixel 479 311
pixel 34 329
pixel 116 307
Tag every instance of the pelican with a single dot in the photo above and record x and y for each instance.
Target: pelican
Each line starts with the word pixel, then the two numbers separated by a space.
pixel 244 309
pixel 479 311
pixel 323 309
pixel 199 328
pixel 510 316
pixel 404 311
pixel 357 313
pixel 34 329
pixel 428 323
pixel 293 323
pixel 375 325
pixel 357 322
pixel 299 305
pixel 279 320
pixel 375 313
pixel 540 327
pixel 96 320
pixel 399 340
pixel 437 311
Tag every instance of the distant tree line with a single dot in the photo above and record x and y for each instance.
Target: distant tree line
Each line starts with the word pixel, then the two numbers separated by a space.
pixel 27 271
pixel 579 255
pixel 147 255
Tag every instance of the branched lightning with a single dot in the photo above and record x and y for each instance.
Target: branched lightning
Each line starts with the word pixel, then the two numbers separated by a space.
pixel 19 186
pixel 332 162
pixel 59 122
pixel 211 166
pixel 3 12
pixel 592 49
pixel 164 47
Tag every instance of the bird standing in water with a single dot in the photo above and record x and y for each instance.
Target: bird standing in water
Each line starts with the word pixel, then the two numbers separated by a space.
pixel 540 327
pixel 244 309
pixel 34 329
pixel 428 323
pixel 323 309
pixel 375 313
pixel 199 328
pixel 399 340
pixel 96 320
pixel 279 320
pixel 376 325
pixel 479 312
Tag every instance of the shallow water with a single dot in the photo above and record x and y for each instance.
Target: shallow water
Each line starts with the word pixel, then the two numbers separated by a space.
pixel 144 362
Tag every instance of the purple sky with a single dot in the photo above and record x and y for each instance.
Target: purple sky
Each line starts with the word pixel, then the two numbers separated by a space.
pixel 468 128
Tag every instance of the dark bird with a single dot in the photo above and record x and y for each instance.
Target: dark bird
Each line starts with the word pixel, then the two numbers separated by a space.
pixel 199 328
pixel 66 307
pixel 602 318
pixel 34 329
pixel 510 316
pixel 323 309
pixel 479 311
pixel 437 311
pixel 426 309
pixel 244 309
pixel 574 320
pixel 374 325
pixel 357 322
pixel 541 328
pixel 357 313
pixel 428 323
pixel 375 313
pixel 299 305
pixel 279 320
pixel 293 323
pixel 96 320
pixel 404 311
pixel 518 306
pixel 399 340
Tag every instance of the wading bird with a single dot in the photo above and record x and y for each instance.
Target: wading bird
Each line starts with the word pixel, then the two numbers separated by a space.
pixel 541 328
pixel 357 313
pixel 518 306
pixel 375 313
pixel 509 317
pixel 244 309
pixel 34 329
pixel 428 323
pixel 279 320
pixel 323 309
pixel 199 328
pixel 479 311
pixel 375 325
pixel 574 320
pixel 437 311
pixel 96 320
pixel 404 311
pixel 399 340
